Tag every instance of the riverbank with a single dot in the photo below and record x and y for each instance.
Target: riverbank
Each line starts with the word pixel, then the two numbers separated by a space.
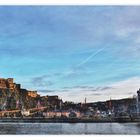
pixel 69 128
pixel 59 120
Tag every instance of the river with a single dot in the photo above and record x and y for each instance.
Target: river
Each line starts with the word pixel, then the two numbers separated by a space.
pixel 69 128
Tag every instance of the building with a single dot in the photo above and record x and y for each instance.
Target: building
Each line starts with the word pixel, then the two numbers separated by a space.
pixel 29 99
pixel 12 96
pixel 52 114
pixel 66 114
pixel 3 83
pixel 32 94
pixel 53 102
pixel 7 83
pixel 138 101
pixel 75 114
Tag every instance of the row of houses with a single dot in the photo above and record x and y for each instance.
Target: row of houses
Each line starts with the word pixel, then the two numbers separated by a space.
pixel 58 114
pixel 76 114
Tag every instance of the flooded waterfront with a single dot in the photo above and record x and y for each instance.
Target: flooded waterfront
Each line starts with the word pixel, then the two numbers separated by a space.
pixel 69 128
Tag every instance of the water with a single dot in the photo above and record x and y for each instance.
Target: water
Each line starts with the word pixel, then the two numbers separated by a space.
pixel 69 128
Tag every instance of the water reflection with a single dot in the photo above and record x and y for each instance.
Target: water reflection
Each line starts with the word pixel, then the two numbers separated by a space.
pixel 86 128
pixel 67 128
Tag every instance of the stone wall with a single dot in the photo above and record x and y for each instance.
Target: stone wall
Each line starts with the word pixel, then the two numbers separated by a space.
pixel 12 96
pixel 7 83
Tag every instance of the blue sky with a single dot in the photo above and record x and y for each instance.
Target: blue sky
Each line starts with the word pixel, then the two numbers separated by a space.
pixel 66 49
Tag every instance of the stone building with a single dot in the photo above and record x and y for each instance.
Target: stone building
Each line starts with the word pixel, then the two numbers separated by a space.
pixel 32 94
pixel 9 93
pixel 53 102
pixel 12 96
pixel 138 101
pixel 29 99
pixel 7 83
pixel 2 83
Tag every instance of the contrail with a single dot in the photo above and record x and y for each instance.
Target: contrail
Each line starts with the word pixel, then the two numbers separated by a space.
pixel 84 61
pixel 91 56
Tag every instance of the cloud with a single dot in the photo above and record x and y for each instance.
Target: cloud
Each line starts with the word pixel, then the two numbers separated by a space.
pixel 41 81
pixel 89 88
pixel 46 79
pixel 45 91
pixel 122 89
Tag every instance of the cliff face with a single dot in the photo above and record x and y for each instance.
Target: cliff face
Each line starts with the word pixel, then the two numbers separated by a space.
pixel 13 97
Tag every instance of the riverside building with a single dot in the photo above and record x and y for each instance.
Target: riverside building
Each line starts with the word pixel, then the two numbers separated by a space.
pixel 138 101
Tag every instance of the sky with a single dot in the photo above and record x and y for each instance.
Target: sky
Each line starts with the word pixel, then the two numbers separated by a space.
pixel 72 51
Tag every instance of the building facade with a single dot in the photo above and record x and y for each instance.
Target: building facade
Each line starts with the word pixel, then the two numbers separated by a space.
pixel 138 101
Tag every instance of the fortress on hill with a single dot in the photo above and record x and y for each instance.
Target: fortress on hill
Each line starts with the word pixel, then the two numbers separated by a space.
pixel 12 96
pixel 9 85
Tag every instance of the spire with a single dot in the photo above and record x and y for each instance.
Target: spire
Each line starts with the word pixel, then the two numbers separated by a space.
pixel 138 101
pixel 85 100
pixel 110 104
pixel 60 104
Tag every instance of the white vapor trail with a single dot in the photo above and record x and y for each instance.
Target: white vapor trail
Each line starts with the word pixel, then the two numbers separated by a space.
pixel 91 56
pixel 72 70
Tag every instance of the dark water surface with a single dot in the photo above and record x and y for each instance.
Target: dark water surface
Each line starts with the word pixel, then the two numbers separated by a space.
pixel 69 128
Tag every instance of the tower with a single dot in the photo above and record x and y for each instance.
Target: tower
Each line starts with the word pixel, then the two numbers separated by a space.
pixel 138 101
pixel 85 101
pixel 60 104
pixel 110 104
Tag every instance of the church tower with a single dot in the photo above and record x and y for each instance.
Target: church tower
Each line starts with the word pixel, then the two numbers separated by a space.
pixel 138 101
